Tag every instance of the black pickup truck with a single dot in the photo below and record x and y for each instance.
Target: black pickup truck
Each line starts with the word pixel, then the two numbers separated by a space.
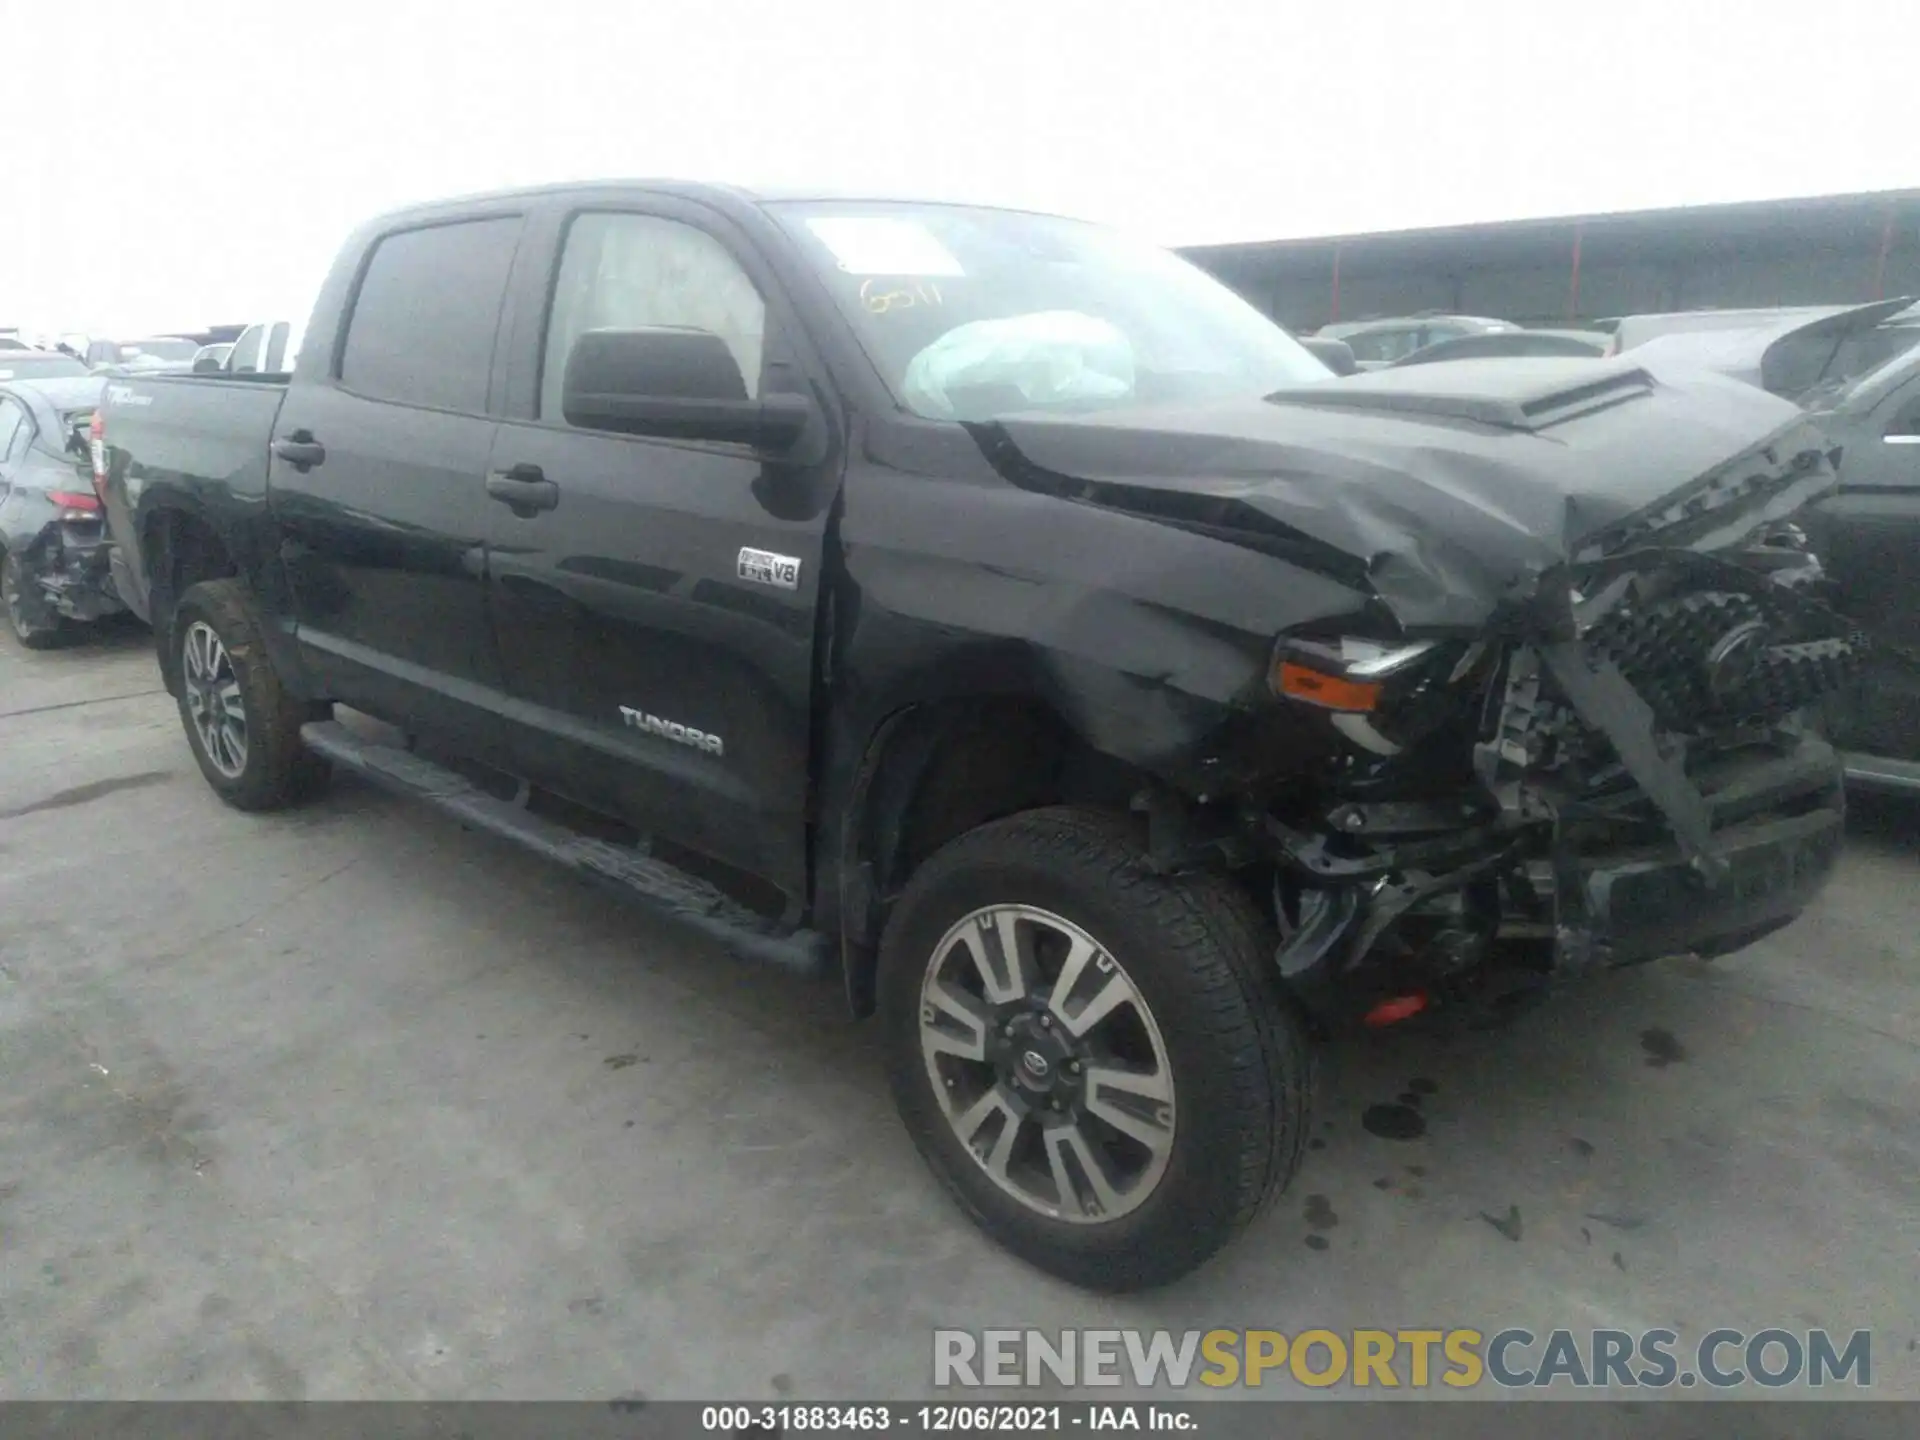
pixel 1005 617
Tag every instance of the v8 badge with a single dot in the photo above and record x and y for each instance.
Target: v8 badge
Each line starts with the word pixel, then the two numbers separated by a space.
pixel 763 567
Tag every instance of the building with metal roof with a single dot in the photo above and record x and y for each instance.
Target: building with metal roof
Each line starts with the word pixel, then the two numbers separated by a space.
pixel 1832 249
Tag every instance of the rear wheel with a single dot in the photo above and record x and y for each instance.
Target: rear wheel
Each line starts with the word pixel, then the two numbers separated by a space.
pixel 35 624
pixel 1097 1061
pixel 243 726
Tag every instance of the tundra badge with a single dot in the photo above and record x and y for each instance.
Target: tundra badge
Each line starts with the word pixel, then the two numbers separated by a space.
pixel 672 730
pixel 763 567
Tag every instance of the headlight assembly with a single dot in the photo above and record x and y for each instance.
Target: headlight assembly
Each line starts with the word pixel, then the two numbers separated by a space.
pixel 1379 696
pixel 1341 675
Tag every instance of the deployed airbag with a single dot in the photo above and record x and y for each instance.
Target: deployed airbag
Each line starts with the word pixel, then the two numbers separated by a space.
pixel 1047 357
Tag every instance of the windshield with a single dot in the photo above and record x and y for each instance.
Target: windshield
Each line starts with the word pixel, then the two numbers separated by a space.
pixel 971 313
pixel 160 348
pixel 37 365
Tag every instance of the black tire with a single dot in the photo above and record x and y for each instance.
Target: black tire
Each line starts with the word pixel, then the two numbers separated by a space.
pixel 275 769
pixel 1200 957
pixel 34 623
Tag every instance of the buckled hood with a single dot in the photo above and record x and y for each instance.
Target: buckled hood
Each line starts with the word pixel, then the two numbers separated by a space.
pixel 1448 490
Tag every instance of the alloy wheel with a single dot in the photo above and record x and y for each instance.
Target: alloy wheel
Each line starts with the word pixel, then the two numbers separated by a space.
pixel 214 702
pixel 1047 1063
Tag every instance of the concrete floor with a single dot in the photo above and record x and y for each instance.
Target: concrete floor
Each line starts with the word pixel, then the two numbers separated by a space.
pixel 351 1103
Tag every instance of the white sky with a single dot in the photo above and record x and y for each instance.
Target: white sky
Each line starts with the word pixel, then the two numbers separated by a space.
pixel 195 162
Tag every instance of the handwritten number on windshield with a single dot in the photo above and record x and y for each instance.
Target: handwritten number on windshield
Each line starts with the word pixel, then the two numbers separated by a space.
pixel 879 302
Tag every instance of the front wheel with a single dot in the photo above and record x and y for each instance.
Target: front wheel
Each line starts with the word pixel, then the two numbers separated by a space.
pixel 1096 1060
pixel 242 724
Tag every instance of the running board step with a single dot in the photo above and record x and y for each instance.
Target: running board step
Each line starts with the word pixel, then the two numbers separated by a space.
pixel 1873 772
pixel 662 887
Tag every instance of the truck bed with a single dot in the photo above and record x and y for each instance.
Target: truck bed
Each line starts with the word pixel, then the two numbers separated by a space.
pixel 207 434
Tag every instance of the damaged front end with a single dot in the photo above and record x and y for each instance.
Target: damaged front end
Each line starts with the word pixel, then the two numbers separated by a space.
pixel 1640 780
pixel 1562 724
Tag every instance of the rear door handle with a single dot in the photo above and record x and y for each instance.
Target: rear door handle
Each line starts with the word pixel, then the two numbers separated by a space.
pixel 301 450
pixel 523 489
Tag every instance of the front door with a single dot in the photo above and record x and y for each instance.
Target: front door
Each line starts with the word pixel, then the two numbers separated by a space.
pixel 1869 538
pixel 657 620
pixel 378 485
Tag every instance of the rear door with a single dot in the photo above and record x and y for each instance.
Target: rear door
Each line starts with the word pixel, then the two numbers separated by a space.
pixel 666 673
pixel 1869 535
pixel 378 483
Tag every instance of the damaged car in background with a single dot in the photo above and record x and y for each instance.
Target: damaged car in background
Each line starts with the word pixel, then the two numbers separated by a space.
pixel 1856 371
pixel 1003 614
pixel 53 544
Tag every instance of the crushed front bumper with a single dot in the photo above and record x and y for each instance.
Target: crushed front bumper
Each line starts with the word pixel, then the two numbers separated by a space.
pixel 1776 828
pixel 1588 886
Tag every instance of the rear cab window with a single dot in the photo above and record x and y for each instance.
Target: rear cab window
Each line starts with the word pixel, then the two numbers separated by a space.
pixel 422 327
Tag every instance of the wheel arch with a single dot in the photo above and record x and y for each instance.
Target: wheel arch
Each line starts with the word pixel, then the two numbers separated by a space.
pixel 180 546
pixel 933 769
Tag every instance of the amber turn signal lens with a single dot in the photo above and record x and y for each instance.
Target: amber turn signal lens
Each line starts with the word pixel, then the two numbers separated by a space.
pixel 1331 692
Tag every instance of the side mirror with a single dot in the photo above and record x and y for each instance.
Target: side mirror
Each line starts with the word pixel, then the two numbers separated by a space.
pixel 207 365
pixel 677 384
pixel 1336 355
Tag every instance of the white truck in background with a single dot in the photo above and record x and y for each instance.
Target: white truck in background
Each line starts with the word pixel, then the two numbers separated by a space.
pixel 266 347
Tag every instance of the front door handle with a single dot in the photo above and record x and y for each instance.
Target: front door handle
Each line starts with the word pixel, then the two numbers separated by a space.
pixel 523 490
pixel 301 450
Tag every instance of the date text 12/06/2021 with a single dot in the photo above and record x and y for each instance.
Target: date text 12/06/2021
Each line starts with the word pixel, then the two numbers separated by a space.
pixel 960 1419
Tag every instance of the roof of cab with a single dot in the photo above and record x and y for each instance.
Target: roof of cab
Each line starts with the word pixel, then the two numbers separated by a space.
pixel 721 196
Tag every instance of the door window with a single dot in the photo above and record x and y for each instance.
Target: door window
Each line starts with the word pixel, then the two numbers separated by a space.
pixel 636 272
pixel 423 323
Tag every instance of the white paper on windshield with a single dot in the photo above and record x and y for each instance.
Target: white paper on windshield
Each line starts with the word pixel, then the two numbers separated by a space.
pixel 875 245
